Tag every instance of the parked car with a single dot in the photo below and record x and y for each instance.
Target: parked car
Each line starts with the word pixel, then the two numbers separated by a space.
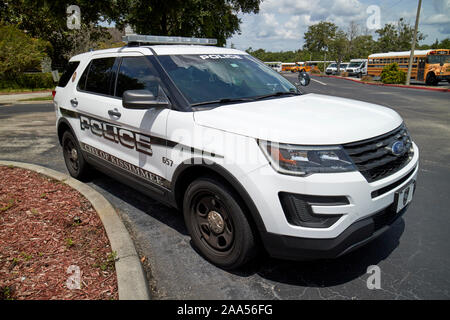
pixel 331 69
pixel 250 161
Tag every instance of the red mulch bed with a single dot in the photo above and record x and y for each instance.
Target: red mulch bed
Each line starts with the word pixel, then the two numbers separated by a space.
pixel 45 227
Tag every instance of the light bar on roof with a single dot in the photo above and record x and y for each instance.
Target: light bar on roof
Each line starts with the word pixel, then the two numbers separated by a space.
pixel 137 38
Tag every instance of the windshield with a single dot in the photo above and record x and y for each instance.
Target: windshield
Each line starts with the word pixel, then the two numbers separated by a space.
pixel 355 64
pixel 211 78
pixel 333 65
pixel 433 59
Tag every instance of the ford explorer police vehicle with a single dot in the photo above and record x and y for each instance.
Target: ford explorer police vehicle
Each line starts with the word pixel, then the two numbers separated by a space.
pixel 250 161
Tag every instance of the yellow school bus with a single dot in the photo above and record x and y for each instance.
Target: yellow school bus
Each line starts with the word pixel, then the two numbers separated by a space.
pixel 287 66
pixel 429 66
pixel 304 67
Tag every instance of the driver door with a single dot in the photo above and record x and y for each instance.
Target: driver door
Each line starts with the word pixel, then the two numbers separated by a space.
pixel 141 137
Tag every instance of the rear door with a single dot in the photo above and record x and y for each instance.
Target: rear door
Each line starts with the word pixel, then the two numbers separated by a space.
pixel 91 101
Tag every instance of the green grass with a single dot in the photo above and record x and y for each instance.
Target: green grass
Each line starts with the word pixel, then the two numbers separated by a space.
pixel 22 90
pixel 69 243
pixel 48 98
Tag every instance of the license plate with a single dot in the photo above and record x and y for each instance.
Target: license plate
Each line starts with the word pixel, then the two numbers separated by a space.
pixel 404 196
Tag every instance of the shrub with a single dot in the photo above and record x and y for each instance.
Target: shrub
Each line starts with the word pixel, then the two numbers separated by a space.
pixel 19 52
pixel 367 78
pixel 28 81
pixel 393 75
pixel 315 71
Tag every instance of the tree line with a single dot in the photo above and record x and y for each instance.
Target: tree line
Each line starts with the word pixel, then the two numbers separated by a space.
pixel 326 41
pixel 38 28
pixel 47 20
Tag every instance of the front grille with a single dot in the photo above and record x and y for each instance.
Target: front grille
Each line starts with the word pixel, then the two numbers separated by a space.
pixel 374 158
pixel 392 186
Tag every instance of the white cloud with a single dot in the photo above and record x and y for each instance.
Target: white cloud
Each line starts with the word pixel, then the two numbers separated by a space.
pixel 281 24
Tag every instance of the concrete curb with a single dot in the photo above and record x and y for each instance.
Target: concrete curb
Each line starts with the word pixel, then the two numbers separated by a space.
pixel 131 278
pixel 383 84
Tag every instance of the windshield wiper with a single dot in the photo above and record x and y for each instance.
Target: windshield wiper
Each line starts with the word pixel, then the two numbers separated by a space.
pixel 277 94
pixel 225 100
pixel 232 100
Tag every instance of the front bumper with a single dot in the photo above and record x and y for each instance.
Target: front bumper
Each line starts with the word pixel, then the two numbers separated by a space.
pixel 354 237
pixel 355 226
pixel 354 73
pixel 443 77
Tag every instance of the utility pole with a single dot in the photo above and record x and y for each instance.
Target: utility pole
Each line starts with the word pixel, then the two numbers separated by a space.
pixel 413 45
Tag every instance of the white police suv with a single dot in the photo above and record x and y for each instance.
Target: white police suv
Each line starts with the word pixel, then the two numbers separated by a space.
pixel 250 161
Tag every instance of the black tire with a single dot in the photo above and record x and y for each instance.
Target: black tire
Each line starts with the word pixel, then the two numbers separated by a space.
pixel 432 80
pixel 217 224
pixel 75 163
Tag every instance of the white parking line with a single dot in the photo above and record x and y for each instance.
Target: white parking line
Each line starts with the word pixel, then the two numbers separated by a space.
pixel 322 83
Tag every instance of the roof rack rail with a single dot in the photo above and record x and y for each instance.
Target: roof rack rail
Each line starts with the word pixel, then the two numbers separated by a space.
pixel 137 40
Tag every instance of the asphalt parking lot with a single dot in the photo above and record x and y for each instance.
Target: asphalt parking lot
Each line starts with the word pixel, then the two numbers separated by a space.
pixel 414 256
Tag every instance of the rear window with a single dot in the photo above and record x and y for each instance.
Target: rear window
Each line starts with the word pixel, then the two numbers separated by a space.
pixel 99 76
pixel 68 72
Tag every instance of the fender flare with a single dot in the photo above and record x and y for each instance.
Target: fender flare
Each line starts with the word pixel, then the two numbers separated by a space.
pixel 199 163
pixel 65 122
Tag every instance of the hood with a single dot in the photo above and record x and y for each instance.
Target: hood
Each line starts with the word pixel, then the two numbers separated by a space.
pixel 309 119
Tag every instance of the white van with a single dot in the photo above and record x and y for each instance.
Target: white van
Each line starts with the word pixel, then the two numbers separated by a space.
pixel 357 67
pixel 333 68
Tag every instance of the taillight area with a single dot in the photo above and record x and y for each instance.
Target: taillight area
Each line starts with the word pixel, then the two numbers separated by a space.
pixel 53 93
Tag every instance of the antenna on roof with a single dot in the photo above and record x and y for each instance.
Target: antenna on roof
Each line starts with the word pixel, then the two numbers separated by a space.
pixel 137 40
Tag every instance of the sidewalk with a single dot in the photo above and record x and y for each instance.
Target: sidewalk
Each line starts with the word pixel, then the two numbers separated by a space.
pixel 15 97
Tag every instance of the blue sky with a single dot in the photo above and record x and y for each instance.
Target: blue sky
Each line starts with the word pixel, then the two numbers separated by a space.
pixel 280 24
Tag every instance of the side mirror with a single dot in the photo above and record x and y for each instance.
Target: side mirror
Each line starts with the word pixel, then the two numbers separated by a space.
pixel 304 79
pixel 144 99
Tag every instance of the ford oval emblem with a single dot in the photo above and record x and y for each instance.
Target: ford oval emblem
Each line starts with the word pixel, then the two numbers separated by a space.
pixel 397 148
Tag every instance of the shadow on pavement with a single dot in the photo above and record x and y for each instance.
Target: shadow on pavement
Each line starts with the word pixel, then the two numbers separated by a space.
pixel 164 214
pixel 327 273
pixel 324 273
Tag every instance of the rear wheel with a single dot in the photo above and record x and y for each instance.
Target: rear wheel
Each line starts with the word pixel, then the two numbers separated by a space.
pixel 75 163
pixel 217 224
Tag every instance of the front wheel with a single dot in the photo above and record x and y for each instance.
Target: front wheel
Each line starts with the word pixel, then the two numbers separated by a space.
pixel 432 80
pixel 217 224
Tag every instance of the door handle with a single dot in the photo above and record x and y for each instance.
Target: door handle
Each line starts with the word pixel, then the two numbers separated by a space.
pixel 114 113
pixel 74 102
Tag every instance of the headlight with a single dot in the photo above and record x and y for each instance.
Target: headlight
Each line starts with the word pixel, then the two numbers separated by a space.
pixel 305 160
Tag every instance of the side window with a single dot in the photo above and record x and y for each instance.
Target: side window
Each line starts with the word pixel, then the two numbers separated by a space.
pixel 136 73
pixel 68 72
pixel 82 82
pixel 99 75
